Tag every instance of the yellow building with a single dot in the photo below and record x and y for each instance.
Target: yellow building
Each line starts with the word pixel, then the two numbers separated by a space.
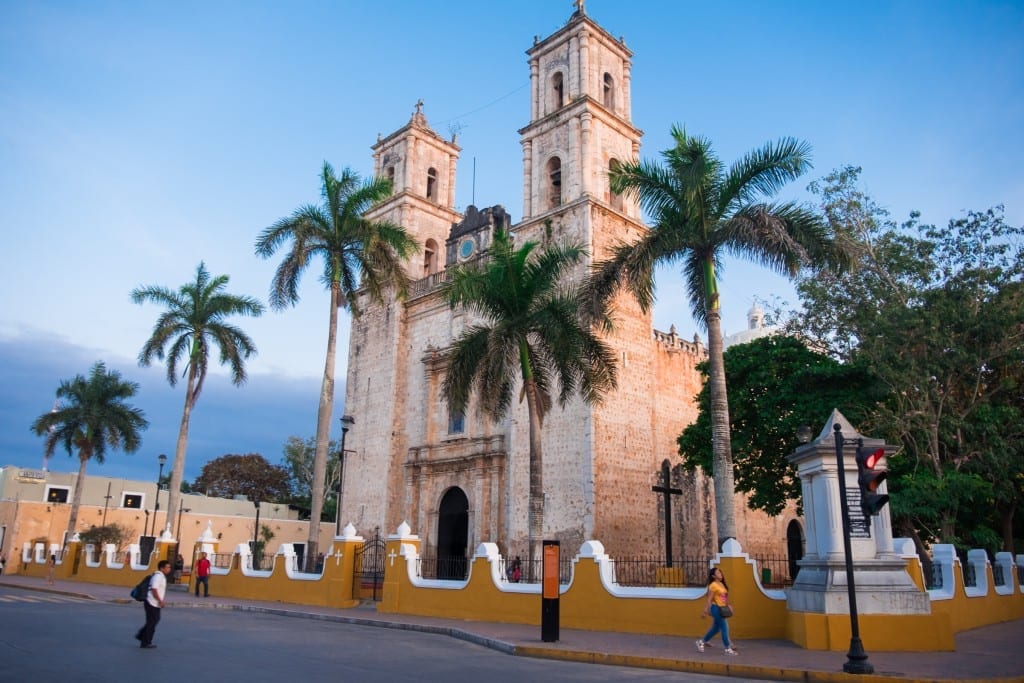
pixel 35 506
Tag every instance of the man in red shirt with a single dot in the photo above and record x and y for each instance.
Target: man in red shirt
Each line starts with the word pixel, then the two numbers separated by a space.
pixel 203 575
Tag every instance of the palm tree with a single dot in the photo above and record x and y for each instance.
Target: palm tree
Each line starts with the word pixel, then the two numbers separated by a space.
pixel 94 415
pixel 357 253
pixel 531 331
pixel 700 211
pixel 194 322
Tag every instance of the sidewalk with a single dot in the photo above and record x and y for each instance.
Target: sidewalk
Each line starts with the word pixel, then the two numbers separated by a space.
pixel 993 653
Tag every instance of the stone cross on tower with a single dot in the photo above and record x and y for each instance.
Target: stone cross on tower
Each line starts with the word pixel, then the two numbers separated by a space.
pixel 667 491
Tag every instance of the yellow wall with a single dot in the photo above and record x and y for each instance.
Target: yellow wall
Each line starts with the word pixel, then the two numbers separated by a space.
pixel 965 612
pixel 29 521
pixel 586 602
pixel 332 589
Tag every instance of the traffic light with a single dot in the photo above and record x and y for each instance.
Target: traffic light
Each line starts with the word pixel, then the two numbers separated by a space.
pixel 871 472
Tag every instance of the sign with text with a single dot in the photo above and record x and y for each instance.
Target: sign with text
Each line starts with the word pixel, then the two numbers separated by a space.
pixel 549 593
pixel 860 526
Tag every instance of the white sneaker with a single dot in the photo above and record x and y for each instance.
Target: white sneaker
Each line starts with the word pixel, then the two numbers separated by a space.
pixel 700 646
pixel 730 651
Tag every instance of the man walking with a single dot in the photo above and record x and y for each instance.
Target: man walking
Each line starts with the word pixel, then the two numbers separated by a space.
pixel 153 603
pixel 203 575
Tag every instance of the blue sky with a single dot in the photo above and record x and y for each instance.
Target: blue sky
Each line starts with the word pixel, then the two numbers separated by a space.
pixel 137 139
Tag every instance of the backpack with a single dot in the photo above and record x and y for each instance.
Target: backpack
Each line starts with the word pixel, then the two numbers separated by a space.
pixel 142 589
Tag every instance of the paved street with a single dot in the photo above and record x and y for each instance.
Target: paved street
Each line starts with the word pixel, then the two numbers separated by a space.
pixel 989 654
pixel 46 637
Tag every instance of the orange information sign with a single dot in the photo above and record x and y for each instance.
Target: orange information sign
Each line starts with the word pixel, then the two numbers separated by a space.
pixel 550 590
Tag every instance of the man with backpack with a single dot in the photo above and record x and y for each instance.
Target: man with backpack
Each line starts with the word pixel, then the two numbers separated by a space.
pixel 153 603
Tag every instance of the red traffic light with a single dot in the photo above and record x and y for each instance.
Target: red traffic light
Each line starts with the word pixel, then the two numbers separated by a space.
pixel 870 475
pixel 874 459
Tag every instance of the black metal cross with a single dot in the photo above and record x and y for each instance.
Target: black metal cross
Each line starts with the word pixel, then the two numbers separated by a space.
pixel 667 491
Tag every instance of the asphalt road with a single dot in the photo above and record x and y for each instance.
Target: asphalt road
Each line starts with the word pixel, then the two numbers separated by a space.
pixel 46 637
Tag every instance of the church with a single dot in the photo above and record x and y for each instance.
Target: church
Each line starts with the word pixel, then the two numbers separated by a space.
pixel 461 479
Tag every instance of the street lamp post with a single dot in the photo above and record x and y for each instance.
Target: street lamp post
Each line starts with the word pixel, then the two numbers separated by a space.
pixel 181 509
pixel 346 423
pixel 856 658
pixel 256 536
pixel 156 504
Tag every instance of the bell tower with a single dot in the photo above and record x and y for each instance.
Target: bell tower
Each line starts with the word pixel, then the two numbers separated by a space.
pixel 421 165
pixel 580 128
pixel 580 121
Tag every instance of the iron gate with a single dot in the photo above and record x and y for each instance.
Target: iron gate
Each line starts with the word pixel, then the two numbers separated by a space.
pixel 369 568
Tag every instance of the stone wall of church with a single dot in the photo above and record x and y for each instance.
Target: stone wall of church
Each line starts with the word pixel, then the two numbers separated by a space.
pixel 601 461
pixel 374 397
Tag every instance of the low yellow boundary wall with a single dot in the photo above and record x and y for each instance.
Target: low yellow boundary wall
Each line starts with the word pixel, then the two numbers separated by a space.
pixel 592 600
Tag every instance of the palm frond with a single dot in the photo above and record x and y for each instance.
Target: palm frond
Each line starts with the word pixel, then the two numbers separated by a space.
pixel 763 172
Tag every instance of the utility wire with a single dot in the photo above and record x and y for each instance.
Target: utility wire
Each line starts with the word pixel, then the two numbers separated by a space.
pixel 489 104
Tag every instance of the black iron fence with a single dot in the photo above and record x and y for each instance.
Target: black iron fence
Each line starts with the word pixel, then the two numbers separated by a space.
pixel 932 575
pixel 639 572
pixel 369 561
pixel 998 577
pixel 449 568
pixel 533 570
pixel 220 560
pixel 776 570
pixel 262 561
pixel 970 576
pixel 649 572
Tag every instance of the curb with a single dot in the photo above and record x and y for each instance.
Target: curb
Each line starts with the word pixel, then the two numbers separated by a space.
pixel 53 591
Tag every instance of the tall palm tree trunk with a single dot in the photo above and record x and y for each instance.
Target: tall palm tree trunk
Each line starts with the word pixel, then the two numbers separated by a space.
pixel 721 440
pixel 323 433
pixel 178 469
pixel 76 498
pixel 535 523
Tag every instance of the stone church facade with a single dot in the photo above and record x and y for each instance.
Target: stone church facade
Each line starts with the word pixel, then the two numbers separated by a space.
pixel 459 480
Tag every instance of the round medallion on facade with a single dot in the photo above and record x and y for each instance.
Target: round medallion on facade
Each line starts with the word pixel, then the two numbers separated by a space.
pixel 466 248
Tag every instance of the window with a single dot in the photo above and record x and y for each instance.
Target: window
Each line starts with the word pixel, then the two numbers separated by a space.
pixel 429 257
pixel 557 90
pixel 131 500
pixel 609 91
pixel 432 183
pixel 614 198
pixel 456 422
pixel 391 173
pixel 554 182
pixel 57 494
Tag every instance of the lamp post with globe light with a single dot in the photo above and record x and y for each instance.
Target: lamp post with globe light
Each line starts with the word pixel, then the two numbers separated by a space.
pixel 162 459
pixel 346 423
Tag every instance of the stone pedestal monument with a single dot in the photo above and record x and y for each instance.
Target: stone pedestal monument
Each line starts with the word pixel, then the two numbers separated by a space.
pixel 882 583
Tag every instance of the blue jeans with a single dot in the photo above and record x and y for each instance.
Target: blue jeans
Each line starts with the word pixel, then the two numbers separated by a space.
pixel 721 624
pixel 205 580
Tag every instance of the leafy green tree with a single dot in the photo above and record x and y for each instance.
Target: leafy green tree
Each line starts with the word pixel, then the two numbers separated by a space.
pixel 93 413
pixel 776 384
pixel 299 455
pixel 194 321
pixel 936 315
pixel 357 254
pixel 701 211
pixel 99 536
pixel 249 475
pixel 265 536
pixel 530 331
